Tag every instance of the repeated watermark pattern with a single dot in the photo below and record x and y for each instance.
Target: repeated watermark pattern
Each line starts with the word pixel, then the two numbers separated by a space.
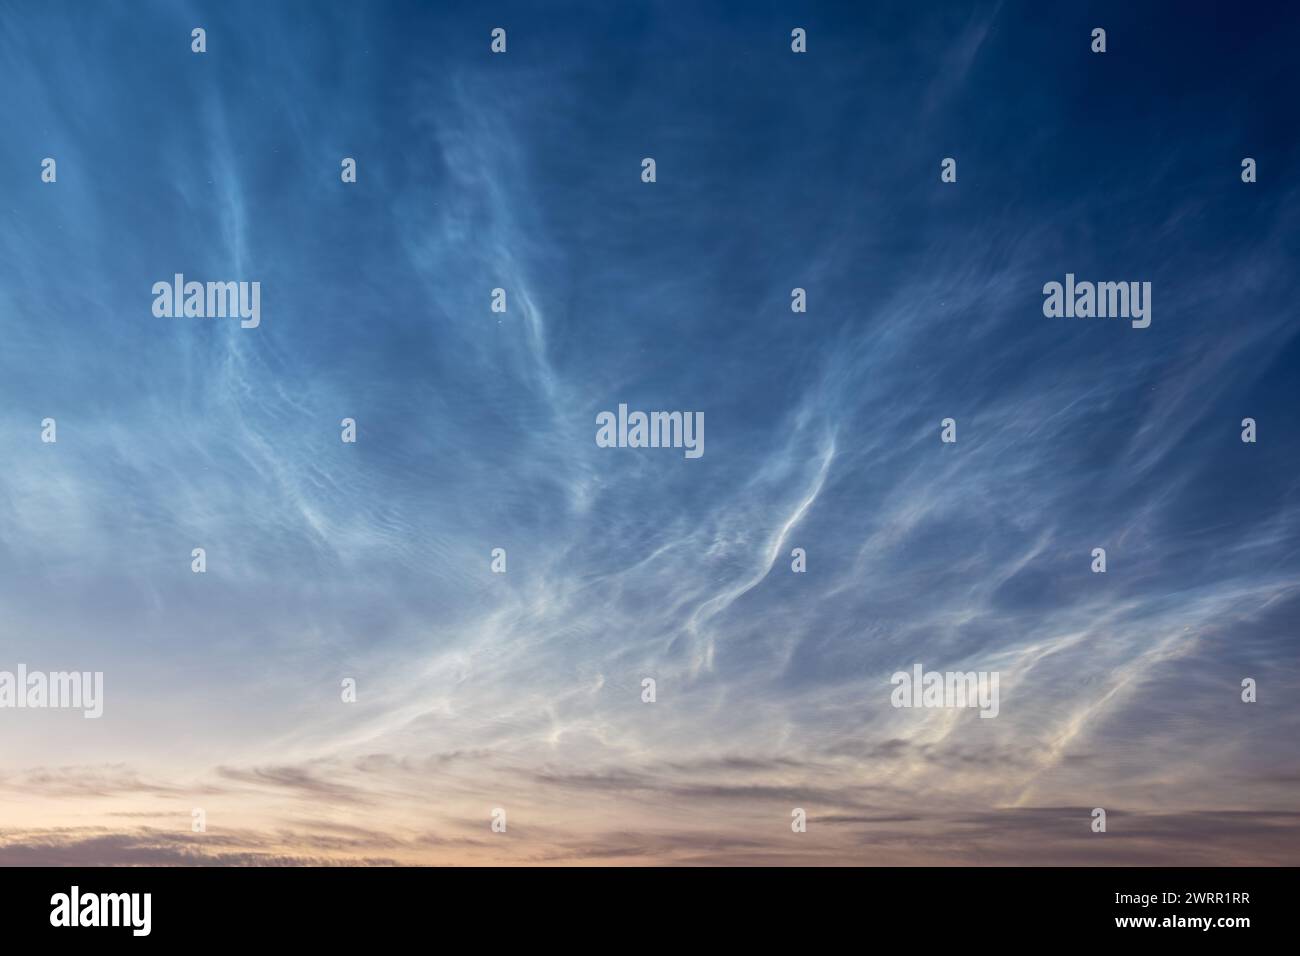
pixel 374 536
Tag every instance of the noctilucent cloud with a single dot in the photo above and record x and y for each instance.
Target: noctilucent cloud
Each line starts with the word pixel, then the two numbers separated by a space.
pixel 476 430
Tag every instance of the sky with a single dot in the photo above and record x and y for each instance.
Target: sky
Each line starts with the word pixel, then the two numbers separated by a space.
pixel 476 430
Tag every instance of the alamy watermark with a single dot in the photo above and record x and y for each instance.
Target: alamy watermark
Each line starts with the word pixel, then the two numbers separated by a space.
pixel 211 300
pixel 1102 300
pixel 652 430
pixel 56 690
pixel 74 908
pixel 922 688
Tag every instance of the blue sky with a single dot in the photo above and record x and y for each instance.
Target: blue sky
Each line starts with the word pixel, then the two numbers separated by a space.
pixel 476 431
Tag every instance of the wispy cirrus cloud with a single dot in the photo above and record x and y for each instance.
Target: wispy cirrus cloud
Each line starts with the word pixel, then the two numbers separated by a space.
pixel 522 690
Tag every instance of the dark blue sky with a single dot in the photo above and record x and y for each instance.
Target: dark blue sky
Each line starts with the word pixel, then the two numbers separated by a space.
pixel 476 429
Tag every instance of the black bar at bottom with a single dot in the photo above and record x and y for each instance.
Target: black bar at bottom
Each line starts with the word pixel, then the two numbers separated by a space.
pixel 671 906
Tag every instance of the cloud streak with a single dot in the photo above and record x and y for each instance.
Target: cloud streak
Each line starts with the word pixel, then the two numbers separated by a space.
pixel 476 431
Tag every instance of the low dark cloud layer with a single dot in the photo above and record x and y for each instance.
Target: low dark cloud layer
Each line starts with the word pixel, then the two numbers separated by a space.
pixel 522 691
